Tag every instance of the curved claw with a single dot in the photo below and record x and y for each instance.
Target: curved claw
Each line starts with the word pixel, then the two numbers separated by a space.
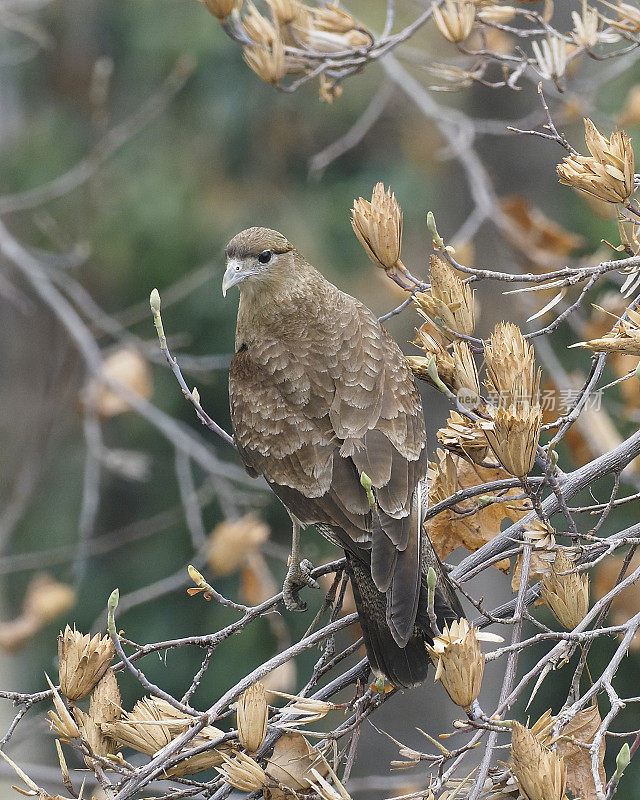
pixel 298 576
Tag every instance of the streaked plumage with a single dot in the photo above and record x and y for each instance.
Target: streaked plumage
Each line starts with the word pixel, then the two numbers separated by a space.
pixel 319 394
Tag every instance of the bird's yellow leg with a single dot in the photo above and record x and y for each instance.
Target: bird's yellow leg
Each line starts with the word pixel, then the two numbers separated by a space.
pixel 298 574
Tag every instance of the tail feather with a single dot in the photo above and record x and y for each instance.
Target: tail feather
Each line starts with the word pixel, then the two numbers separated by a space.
pixel 407 665
pixel 404 594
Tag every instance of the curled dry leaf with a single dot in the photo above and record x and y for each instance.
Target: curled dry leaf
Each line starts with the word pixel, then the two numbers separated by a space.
pixel 45 600
pixel 582 728
pixel 450 529
pixel 540 239
pixel 627 602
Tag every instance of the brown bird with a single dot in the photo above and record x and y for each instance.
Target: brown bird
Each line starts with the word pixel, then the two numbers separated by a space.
pixel 322 403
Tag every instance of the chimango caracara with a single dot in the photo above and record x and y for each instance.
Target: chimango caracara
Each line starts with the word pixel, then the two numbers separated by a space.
pixel 320 396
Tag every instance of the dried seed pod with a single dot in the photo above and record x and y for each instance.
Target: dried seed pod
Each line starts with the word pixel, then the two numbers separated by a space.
pixel 540 773
pixel 449 303
pixel 91 732
pixel 566 591
pixel 464 438
pixel 623 338
pixel 153 723
pixel 82 661
pixel 252 713
pixel 454 19
pixel 459 661
pixel 378 226
pixel 511 367
pixel 60 721
pixel 105 700
pixel 243 773
pixel 513 435
pixel 608 173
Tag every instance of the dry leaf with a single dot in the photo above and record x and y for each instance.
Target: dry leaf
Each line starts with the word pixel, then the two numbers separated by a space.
pixel 582 728
pixel 450 530
pixel 539 238
pixel 624 605
pixel 128 367
pixel 45 600
pixel 292 760
pixel 233 540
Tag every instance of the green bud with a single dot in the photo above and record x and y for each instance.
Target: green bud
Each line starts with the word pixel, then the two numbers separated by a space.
pixel 366 484
pixel 432 372
pixel 154 301
pixel 622 762
pixel 431 224
pixel 112 604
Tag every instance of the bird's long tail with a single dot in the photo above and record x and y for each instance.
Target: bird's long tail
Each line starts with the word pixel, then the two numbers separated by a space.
pixel 408 665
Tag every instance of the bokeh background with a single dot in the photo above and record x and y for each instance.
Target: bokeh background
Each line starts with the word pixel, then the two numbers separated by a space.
pixel 225 152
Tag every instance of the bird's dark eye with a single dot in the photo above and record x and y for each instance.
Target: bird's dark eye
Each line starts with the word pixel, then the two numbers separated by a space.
pixel 265 256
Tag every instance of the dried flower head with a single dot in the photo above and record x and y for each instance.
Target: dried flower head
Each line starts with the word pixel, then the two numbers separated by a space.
pixel 266 55
pixel 566 591
pixel 513 434
pixel 252 713
pixel 459 661
pixel 232 541
pixel 432 349
pixel 266 60
pixel 60 721
pixel 285 11
pixel 330 29
pixel 511 369
pixel 242 772
pixel 91 732
pixel 449 303
pixel 378 226
pixel 550 57
pixel 542 728
pixel 154 723
pixel 540 773
pixel 464 438
pixel 622 338
pixel 500 15
pixel 82 661
pixel 608 173
pixel 586 26
pixel 221 8
pixel 105 699
pixel 454 19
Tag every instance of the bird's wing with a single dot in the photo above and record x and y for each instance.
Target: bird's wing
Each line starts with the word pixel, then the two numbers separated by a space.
pixel 312 414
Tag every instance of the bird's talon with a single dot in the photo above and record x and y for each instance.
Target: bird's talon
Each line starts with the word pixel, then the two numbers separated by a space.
pixel 298 576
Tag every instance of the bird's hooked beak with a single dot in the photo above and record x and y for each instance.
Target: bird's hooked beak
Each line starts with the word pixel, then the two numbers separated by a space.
pixel 233 275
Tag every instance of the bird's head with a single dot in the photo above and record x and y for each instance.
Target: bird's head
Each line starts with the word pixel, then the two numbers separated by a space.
pixel 255 256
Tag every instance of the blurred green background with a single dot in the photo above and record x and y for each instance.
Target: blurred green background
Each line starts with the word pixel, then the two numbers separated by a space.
pixel 228 152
